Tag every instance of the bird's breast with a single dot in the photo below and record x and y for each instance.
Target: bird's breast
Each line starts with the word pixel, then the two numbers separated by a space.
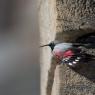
pixel 63 54
pixel 62 50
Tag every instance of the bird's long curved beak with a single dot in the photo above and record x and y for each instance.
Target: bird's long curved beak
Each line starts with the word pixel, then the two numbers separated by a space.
pixel 44 45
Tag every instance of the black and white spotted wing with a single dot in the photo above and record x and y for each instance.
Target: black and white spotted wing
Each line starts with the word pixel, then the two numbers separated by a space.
pixel 73 61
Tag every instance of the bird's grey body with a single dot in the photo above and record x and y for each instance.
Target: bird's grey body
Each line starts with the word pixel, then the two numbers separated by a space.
pixel 63 46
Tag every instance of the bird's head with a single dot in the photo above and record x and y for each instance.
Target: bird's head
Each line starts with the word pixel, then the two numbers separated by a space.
pixel 51 44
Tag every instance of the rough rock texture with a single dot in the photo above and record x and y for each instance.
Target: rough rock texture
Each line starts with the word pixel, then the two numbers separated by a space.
pixel 74 18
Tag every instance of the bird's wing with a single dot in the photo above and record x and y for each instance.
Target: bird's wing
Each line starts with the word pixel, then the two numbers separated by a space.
pixel 87 38
pixel 86 45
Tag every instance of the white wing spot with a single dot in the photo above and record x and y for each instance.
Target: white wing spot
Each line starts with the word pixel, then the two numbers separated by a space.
pixel 74 62
pixel 70 63
pixel 66 60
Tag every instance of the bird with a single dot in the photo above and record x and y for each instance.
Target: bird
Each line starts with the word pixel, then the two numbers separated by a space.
pixel 71 54
pixel 87 38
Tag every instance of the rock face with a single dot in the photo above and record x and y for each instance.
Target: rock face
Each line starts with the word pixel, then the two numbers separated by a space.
pixel 65 20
